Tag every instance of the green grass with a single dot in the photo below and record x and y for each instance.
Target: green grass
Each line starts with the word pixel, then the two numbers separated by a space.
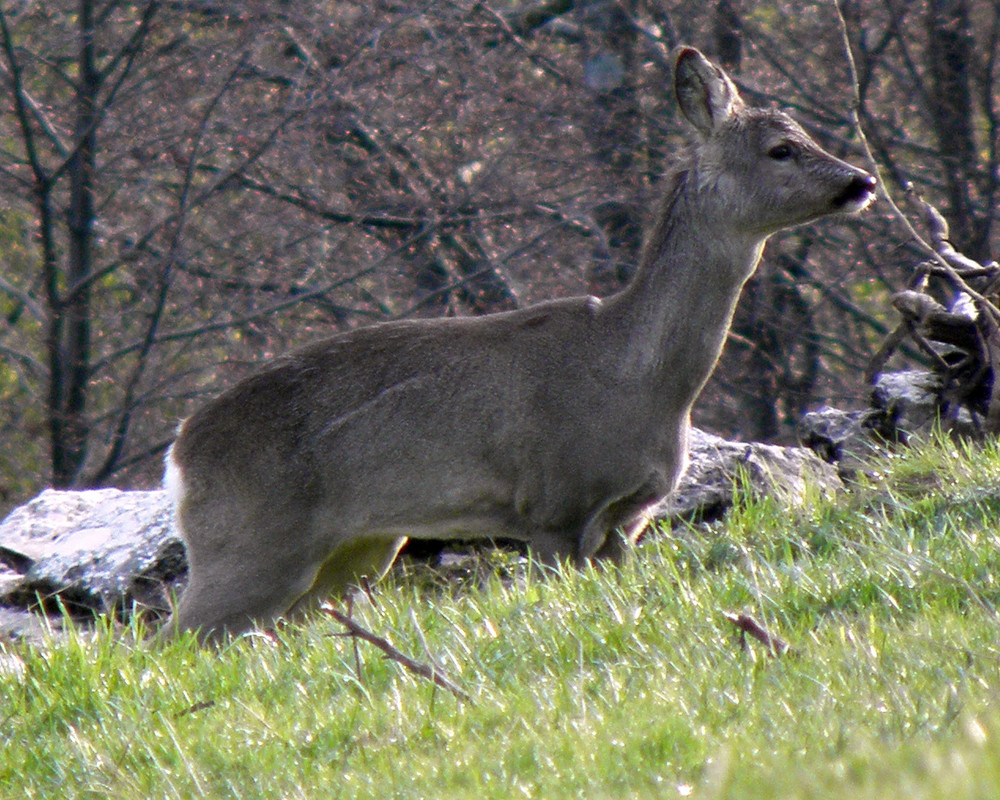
pixel 605 683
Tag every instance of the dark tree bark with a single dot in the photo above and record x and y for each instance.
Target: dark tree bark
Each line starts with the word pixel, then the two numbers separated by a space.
pixel 728 33
pixel 950 54
pixel 69 348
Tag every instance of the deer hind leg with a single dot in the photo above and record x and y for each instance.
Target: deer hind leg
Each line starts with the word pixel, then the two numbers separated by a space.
pixel 287 586
pixel 345 567
pixel 228 596
pixel 218 603
pixel 248 563
pixel 615 528
pixel 619 542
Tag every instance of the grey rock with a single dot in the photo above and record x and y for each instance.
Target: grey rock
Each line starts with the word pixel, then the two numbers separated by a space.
pixel 905 407
pixel 716 467
pixel 911 399
pixel 848 439
pixel 96 551
pixel 17 624
pixel 916 401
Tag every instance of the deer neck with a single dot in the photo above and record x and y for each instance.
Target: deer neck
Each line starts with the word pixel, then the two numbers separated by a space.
pixel 671 320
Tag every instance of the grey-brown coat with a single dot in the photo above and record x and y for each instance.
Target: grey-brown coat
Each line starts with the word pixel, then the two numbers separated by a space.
pixel 558 424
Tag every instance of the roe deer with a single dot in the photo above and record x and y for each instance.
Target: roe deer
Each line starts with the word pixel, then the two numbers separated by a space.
pixel 557 425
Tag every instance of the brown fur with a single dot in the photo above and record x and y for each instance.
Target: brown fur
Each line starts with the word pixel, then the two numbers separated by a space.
pixel 558 425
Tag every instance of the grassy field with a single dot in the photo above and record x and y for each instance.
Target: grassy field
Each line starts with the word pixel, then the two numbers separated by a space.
pixel 606 683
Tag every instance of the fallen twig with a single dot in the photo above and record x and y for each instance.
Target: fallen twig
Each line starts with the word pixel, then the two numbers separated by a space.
pixel 194 709
pixel 424 670
pixel 748 625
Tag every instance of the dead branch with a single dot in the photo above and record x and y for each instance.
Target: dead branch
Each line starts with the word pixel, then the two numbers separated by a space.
pixel 941 250
pixel 971 326
pixel 428 671
pixel 937 227
pixel 747 625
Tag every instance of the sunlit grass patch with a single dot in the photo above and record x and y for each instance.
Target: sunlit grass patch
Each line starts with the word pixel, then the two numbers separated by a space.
pixel 603 682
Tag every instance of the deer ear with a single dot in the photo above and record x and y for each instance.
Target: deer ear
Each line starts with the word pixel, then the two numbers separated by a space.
pixel 705 93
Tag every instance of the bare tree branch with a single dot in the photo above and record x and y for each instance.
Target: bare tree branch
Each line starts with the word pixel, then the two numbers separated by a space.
pixel 429 671
pixel 986 305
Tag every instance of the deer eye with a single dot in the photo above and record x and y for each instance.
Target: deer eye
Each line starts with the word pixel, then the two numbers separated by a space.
pixel 781 152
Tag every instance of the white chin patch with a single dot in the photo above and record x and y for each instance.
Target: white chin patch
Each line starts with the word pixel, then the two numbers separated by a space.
pixel 860 204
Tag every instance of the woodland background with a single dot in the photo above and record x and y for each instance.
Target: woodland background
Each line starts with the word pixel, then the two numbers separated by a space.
pixel 189 187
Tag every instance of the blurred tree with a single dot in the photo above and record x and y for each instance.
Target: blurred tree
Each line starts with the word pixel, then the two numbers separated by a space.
pixel 190 187
pixel 951 56
pixel 811 318
pixel 111 182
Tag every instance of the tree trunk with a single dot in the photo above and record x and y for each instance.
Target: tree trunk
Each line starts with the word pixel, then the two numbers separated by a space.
pixel 69 341
pixel 727 31
pixel 950 50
